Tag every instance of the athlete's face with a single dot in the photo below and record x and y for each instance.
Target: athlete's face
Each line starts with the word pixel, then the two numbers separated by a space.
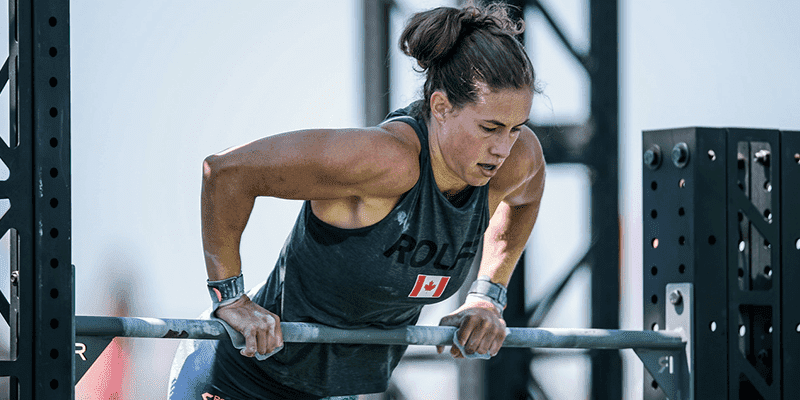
pixel 476 139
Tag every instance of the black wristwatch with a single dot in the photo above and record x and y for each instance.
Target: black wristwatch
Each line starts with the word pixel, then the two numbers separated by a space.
pixel 226 291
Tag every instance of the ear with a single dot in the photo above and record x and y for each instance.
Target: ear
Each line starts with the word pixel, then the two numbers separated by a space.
pixel 440 105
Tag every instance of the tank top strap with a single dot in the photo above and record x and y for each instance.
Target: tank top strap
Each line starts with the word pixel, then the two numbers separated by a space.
pixel 420 129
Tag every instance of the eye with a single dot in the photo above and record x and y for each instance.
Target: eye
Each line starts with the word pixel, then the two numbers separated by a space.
pixel 489 129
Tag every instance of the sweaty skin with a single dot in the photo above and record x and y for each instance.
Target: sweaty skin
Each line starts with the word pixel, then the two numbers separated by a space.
pixel 354 177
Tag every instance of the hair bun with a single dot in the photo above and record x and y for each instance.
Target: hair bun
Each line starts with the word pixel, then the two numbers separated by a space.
pixel 430 36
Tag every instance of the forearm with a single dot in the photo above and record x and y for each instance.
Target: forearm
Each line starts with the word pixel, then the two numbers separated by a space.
pixel 224 211
pixel 505 239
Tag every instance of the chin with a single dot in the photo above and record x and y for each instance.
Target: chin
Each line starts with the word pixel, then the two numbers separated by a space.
pixel 482 181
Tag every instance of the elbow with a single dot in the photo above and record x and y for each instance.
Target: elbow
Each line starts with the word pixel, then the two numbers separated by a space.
pixel 221 174
pixel 217 165
pixel 210 167
pixel 216 172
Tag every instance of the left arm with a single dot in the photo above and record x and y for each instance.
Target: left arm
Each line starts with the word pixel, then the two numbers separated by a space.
pixel 520 194
pixel 481 327
pixel 507 234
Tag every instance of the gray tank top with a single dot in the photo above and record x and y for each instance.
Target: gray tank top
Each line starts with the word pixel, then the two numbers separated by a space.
pixel 378 276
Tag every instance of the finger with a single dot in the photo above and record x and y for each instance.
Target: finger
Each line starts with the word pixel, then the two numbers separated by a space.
pixel 263 341
pixel 249 343
pixel 497 344
pixel 492 340
pixel 267 326
pixel 476 337
pixel 277 333
pixel 268 341
pixel 485 345
pixel 465 332
pixel 451 320
pixel 455 352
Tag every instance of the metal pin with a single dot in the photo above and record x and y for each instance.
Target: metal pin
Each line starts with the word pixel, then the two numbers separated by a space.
pixel 680 155
pixel 652 157
pixel 675 297
pixel 762 157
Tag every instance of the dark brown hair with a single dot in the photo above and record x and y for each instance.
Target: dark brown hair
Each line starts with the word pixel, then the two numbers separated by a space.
pixel 460 47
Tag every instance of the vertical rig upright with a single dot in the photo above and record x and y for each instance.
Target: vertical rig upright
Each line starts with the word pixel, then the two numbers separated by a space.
pixel 684 231
pixel 41 306
pixel 719 212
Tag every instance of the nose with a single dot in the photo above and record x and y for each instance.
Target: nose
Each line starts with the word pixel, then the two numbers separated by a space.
pixel 501 147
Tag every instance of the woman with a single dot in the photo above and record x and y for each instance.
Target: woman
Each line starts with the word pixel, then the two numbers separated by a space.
pixel 393 217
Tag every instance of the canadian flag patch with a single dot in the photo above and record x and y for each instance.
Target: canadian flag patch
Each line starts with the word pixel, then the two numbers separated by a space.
pixel 430 286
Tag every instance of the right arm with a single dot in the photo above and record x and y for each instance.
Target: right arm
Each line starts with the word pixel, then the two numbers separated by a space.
pixel 309 165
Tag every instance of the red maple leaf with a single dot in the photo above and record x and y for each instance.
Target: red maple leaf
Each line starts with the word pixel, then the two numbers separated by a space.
pixel 430 286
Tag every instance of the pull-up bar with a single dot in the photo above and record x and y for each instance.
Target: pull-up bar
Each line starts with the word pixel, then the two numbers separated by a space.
pixel 299 332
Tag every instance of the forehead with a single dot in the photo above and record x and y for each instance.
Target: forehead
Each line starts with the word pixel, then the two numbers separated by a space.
pixel 508 106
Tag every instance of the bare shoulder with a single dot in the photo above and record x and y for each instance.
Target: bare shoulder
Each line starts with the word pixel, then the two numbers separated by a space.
pixel 382 159
pixel 522 173
pixel 401 155
pixel 404 134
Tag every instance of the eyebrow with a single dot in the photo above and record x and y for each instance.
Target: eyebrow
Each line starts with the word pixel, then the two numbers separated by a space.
pixel 498 123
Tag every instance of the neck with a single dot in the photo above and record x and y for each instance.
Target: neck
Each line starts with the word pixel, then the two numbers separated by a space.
pixel 447 181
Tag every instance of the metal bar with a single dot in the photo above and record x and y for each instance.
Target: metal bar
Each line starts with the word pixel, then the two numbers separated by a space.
pixel 5 306
pixel 4 75
pixel 541 309
pixel 583 59
pixel 606 373
pixel 300 332
pixel 51 272
pixel 21 195
pixel 5 155
pixel 376 60
pixel 564 143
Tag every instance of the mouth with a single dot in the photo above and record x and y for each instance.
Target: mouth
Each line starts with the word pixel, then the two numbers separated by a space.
pixel 488 167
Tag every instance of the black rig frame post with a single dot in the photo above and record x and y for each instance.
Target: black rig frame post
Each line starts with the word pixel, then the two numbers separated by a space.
pixel 41 307
pixel 719 212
